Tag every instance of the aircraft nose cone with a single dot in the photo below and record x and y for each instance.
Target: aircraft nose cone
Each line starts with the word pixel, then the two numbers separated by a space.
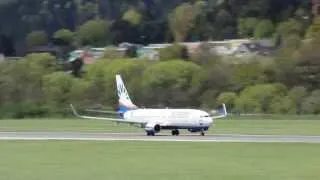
pixel 208 121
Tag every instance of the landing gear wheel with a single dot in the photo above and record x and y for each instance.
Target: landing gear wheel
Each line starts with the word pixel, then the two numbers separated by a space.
pixel 202 134
pixel 150 133
pixel 175 132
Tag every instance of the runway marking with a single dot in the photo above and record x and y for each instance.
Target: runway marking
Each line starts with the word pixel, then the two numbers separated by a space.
pixel 80 136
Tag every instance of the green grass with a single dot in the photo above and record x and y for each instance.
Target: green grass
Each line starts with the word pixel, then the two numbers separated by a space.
pixel 267 127
pixel 64 125
pixel 53 160
pixel 249 125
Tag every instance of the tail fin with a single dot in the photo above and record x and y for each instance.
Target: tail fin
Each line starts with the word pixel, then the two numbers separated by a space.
pixel 125 102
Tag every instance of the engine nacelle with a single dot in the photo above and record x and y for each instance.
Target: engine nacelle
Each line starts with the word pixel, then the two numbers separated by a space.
pixel 153 127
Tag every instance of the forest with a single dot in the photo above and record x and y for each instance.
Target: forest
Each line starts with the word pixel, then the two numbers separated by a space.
pixel 288 82
pixel 104 22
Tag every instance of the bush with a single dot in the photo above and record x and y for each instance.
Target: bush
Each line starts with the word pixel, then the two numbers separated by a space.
pixel 311 104
pixel 36 38
pixel 64 36
pixel 24 110
pixel 113 53
pixel 204 55
pixel 175 51
pixel 259 98
pixel 93 32
pixel 227 98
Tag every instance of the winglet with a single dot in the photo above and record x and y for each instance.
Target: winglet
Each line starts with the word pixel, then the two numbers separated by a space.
pixel 224 114
pixel 74 111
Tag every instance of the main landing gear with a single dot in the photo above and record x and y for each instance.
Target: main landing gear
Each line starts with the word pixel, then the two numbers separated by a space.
pixel 175 132
pixel 150 133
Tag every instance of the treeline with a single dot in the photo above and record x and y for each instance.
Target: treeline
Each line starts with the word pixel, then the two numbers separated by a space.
pixel 288 83
pixel 103 22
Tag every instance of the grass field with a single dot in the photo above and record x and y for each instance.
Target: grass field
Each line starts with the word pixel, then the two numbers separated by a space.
pixel 53 160
pixel 281 125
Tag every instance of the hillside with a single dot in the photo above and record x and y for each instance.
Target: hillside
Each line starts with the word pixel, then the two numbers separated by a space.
pixel 144 21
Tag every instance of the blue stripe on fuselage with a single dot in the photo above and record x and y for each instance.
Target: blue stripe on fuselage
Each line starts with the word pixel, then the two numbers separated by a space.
pixel 121 111
pixel 195 129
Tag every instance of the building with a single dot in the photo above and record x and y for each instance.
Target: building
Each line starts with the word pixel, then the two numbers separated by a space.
pixel 242 47
pixel 316 7
pixel 236 48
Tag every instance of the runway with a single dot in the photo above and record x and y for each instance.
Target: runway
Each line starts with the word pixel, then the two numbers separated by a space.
pixel 81 136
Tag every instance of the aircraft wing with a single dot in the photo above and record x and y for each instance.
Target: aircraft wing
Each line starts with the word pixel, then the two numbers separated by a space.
pixel 103 118
pixel 102 111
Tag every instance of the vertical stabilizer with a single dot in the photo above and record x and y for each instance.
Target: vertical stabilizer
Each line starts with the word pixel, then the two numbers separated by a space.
pixel 125 102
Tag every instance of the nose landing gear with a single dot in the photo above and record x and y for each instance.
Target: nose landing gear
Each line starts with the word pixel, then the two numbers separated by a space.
pixel 202 132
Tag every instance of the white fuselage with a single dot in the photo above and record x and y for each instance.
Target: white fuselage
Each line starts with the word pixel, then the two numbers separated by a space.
pixel 175 118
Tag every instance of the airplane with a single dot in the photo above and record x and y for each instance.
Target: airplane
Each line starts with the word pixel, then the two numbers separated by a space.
pixel 155 120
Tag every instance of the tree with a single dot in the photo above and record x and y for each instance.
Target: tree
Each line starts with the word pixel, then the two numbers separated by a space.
pixel 87 11
pixel 93 32
pixel 123 31
pixel 297 95
pixel 217 18
pixel 218 76
pixel 6 45
pixel 290 27
pixel 36 38
pixel 224 18
pixel 246 26
pixel 247 74
pixel 173 83
pixel 227 98
pixel 201 28
pixel 79 93
pixel 291 42
pixel 132 16
pixel 306 71
pixel 225 25
pixel 311 104
pixel 21 85
pixel 282 105
pixel 314 28
pixel 259 98
pixel 100 77
pixel 64 36
pixel 181 21
pixel 57 89
pixel 264 29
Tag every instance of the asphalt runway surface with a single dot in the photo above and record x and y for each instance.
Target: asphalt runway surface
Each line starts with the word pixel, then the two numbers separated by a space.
pixel 81 136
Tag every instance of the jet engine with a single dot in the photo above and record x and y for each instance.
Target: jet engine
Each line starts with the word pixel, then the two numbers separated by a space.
pixel 152 128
